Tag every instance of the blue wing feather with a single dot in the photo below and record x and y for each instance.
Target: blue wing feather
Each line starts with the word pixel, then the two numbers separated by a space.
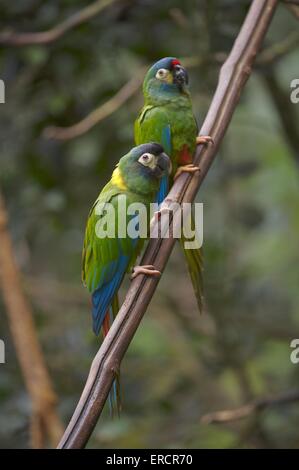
pixel 166 143
pixel 166 139
pixel 163 190
pixel 102 297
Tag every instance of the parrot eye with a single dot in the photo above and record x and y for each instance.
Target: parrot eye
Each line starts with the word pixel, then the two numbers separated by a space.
pixel 161 74
pixel 146 159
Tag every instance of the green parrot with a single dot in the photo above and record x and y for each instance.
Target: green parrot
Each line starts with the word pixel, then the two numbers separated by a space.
pixel 108 253
pixel 167 118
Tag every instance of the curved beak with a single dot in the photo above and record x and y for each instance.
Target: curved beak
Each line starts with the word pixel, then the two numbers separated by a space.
pixel 163 165
pixel 180 76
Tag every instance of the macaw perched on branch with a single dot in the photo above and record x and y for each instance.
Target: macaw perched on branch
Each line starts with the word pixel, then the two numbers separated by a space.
pixel 167 118
pixel 106 255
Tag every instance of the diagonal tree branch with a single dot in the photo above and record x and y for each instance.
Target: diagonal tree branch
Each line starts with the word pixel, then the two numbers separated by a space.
pixel 46 37
pixel 233 76
pixel 253 407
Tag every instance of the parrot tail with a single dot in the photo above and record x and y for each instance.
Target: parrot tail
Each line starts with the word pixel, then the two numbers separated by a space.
pixel 194 260
pixel 115 393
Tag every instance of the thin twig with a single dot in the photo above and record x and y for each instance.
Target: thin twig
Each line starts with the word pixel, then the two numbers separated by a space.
pixel 294 9
pixel 285 109
pixel 45 37
pixel 233 76
pixel 279 49
pixel 44 420
pixel 100 113
pixel 291 2
pixel 255 406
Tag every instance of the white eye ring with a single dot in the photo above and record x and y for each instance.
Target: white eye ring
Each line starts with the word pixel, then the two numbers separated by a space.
pixel 161 74
pixel 146 159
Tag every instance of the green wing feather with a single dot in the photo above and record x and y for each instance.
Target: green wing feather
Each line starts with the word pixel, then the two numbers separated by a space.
pixel 153 120
pixel 150 124
pixel 100 253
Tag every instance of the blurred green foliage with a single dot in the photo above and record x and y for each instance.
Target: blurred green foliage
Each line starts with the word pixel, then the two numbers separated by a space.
pixel 180 365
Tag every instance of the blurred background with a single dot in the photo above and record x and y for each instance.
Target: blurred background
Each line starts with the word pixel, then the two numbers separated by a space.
pixel 180 365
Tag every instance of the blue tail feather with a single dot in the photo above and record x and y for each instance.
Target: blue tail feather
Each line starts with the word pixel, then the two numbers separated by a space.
pixel 102 297
pixel 163 190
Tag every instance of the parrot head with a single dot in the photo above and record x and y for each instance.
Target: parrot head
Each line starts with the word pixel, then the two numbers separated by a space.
pixel 166 76
pixel 142 168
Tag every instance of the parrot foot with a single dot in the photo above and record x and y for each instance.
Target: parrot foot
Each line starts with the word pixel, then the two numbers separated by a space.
pixel 147 269
pixel 186 169
pixel 204 140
